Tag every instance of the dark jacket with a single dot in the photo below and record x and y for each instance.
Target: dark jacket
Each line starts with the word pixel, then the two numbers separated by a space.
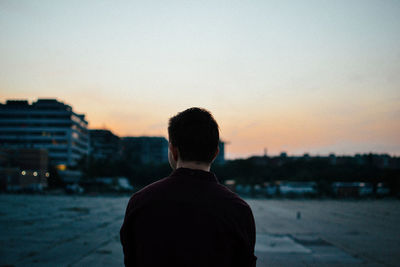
pixel 188 219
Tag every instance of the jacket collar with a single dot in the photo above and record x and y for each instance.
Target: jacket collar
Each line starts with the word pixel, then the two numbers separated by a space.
pixel 187 173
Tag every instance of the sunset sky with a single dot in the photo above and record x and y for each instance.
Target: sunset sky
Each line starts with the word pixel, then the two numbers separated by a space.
pixel 314 77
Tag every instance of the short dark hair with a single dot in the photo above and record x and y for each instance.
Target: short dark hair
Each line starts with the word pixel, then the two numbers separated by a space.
pixel 195 133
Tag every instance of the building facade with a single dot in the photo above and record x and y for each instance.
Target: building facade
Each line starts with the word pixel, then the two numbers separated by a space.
pixel 104 145
pixel 145 149
pixel 45 124
pixel 23 169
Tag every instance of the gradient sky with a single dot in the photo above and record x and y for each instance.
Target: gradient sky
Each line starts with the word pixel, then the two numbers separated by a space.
pixel 297 76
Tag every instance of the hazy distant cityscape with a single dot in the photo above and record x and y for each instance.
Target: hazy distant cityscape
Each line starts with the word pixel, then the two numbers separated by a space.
pixel 46 145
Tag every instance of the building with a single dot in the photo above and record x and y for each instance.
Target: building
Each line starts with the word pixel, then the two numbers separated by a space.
pixel 145 149
pixel 45 124
pixel 220 159
pixel 104 145
pixel 153 149
pixel 22 169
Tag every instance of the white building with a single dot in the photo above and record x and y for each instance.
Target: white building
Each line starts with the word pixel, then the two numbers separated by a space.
pixel 47 124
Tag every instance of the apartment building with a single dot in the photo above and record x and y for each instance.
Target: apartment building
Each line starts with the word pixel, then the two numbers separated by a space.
pixel 45 124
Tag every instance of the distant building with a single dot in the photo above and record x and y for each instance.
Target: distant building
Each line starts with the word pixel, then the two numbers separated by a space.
pixel 145 149
pixel 24 169
pixel 104 145
pixel 45 124
pixel 332 159
pixel 221 155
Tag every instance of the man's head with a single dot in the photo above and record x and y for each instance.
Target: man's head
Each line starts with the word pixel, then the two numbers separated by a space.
pixel 193 137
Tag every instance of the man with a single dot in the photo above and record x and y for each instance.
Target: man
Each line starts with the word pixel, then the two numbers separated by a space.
pixel 188 218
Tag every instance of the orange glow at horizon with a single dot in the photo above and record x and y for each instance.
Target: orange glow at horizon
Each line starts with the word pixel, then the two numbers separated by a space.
pixel 296 130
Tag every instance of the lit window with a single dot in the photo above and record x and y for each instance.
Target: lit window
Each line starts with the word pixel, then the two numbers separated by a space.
pixel 61 167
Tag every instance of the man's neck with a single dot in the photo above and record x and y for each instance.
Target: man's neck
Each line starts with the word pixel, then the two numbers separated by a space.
pixel 193 165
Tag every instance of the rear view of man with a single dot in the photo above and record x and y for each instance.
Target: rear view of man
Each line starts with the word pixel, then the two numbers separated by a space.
pixel 188 218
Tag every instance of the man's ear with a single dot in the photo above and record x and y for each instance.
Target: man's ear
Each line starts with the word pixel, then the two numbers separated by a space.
pixel 174 151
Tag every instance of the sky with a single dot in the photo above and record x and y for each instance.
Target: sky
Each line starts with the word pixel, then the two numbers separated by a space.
pixel 313 77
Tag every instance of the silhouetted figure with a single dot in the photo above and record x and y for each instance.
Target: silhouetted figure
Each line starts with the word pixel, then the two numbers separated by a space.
pixel 188 218
pixel 298 216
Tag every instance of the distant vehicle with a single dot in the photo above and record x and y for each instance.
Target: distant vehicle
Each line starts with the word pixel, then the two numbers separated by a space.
pixel 270 189
pixel 298 188
pixel 123 184
pixel 244 189
pixel 31 188
pixel 382 190
pixel 352 189
pixel 74 189
pixel 115 183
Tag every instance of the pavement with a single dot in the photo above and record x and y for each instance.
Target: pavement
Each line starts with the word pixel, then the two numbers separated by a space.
pixel 41 230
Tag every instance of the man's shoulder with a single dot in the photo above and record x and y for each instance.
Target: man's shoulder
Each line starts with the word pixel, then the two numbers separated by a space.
pixel 231 197
pixel 150 189
pixel 217 195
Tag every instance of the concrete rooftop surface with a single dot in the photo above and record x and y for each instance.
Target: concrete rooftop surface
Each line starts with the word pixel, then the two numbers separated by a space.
pixel 42 230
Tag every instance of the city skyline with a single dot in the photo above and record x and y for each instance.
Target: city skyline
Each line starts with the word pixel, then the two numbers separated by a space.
pixel 152 136
pixel 313 77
